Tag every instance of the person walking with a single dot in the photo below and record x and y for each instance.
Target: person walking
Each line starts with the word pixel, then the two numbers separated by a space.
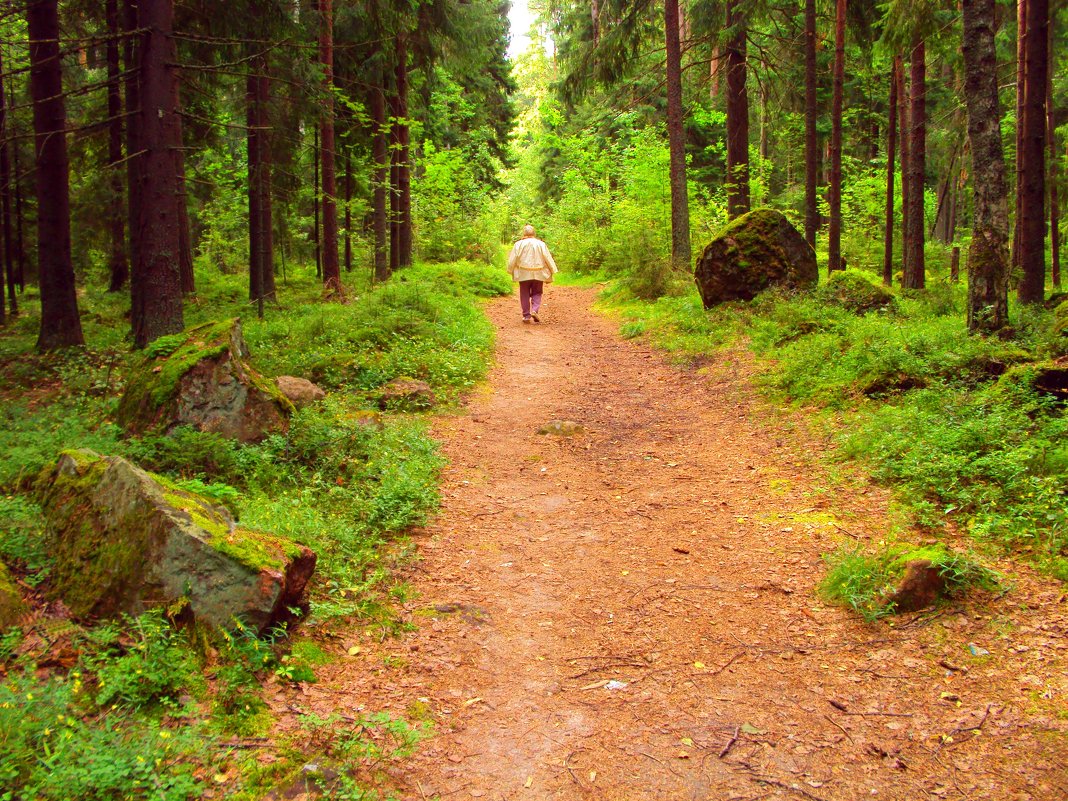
pixel 532 265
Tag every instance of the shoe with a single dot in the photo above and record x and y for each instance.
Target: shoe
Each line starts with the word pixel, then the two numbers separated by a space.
pixel 535 318
pixel 526 319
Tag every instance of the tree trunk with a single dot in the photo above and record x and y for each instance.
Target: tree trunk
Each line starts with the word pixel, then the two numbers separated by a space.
pixel 1051 135
pixel 680 211
pixel 812 151
pixel 914 269
pixel 331 268
pixel 60 324
pixel 834 236
pixel 132 101
pixel 5 205
pixel 20 247
pixel 263 99
pixel 737 115
pixel 316 238
pixel 404 173
pixel 185 243
pixel 1033 174
pixel 157 304
pixel 891 150
pixel 348 210
pixel 1021 83
pixel 394 184
pixel 118 266
pixel 380 156
pixel 903 143
pixel 988 256
pixel 255 216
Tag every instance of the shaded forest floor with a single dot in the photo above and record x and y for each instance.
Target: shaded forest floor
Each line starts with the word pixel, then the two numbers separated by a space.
pixel 629 612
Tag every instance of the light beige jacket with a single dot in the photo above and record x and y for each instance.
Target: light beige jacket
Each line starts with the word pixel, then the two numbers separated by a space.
pixel 530 260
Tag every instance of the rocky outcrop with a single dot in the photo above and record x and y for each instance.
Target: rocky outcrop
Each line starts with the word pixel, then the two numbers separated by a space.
pixel 758 250
pixel 299 391
pixel 125 540
pixel 202 378
pixel 406 394
pixel 12 607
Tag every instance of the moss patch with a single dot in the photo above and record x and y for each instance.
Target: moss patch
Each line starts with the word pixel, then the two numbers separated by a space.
pixel 855 291
pixel 12 607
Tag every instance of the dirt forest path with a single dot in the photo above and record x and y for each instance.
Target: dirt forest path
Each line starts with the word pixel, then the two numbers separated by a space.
pixel 629 613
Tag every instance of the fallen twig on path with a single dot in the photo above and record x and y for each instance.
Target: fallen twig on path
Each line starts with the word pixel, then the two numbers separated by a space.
pixel 730 743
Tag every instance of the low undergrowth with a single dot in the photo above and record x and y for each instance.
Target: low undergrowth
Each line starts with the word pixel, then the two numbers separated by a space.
pixel 142 708
pixel 954 422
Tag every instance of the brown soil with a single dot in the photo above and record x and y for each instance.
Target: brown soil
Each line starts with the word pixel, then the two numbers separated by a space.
pixel 630 613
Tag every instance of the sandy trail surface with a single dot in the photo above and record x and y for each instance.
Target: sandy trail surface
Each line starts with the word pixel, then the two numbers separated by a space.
pixel 629 612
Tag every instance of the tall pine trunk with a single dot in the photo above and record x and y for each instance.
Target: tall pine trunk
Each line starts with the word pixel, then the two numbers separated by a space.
pixel 914 268
pixel 255 216
pixel 1032 222
pixel 812 150
pixel 404 173
pixel 263 101
pixel 5 205
pixel 157 303
pixel 1054 206
pixel 680 211
pixel 348 210
pixel 331 268
pixel 118 266
pixel 1021 82
pixel 394 183
pixel 185 242
pixel 903 144
pixel 60 324
pixel 380 177
pixel 988 256
pixel 316 194
pixel 891 149
pixel 737 114
pixel 834 235
pixel 132 104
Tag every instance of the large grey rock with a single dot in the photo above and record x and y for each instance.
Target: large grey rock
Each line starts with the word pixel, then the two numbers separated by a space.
pixel 125 540
pixel 758 250
pixel 202 378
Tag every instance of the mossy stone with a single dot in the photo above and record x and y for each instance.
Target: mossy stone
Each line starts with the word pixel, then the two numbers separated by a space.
pixel 202 378
pixel 12 607
pixel 752 253
pixel 126 540
pixel 1060 319
pixel 855 291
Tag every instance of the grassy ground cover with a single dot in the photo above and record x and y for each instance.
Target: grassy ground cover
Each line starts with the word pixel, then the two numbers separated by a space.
pixel 139 709
pixel 953 422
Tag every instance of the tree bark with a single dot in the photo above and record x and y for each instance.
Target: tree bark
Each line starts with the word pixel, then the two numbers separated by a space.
pixel 132 104
pixel 914 270
pixel 737 115
pixel 316 194
pixel 1051 136
pixel 404 173
pixel 5 205
pixel 834 235
pixel 60 324
pixel 680 211
pixel 903 144
pixel 891 150
pixel 1032 226
pixel 394 183
pixel 263 98
pixel 157 303
pixel 118 266
pixel 812 151
pixel 348 210
pixel 380 156
pixel 988 256
pixel 255 216
pixel 1021 83
pixel 331 268
pixel 185 242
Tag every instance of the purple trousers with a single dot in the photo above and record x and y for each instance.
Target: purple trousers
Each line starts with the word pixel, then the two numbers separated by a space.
pixel 530 297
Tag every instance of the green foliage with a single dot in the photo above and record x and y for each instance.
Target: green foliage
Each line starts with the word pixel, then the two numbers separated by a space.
pixel 22 541
pixel 862 580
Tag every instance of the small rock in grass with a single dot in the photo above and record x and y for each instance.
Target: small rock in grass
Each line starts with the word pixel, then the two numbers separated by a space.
pixel 300 391
pixel 406 394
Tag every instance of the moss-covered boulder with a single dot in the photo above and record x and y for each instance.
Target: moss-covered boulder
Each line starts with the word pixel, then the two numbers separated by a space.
pixel 758 250
pixel 1060 319
pixel 125 540
pixel 12 607
pixel 201 378
pixel 855 291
